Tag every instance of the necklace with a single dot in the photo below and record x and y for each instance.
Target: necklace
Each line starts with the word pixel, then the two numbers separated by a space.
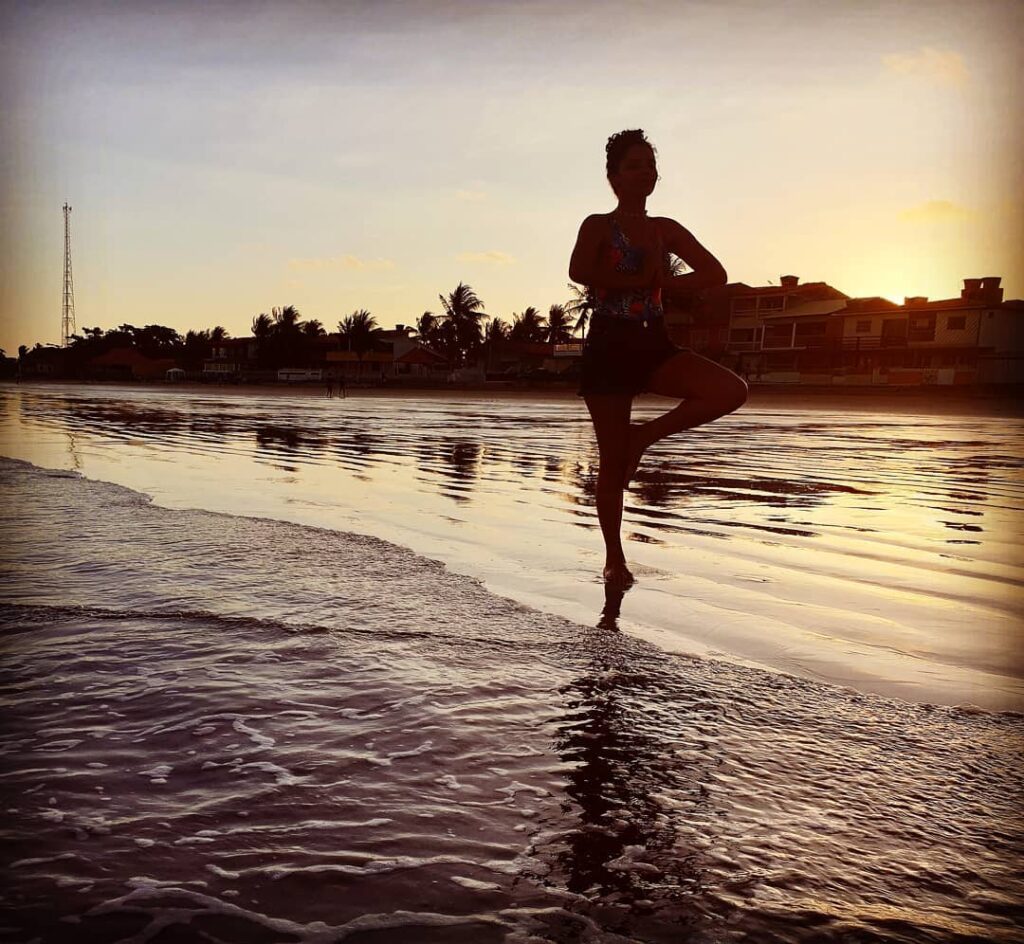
pixel 631 216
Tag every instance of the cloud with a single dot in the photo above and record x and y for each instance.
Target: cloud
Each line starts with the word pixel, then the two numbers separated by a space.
pixel 491 256
pixel 340 262
pixel 936 211
pixel 471 196
pixel 942 66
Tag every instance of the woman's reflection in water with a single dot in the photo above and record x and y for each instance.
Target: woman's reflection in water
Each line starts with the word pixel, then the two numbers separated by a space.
pixel 624 722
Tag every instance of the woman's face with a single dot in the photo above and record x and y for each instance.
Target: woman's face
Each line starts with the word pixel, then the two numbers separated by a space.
pixel 637 173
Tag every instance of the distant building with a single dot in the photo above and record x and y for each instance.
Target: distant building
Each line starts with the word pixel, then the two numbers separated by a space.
pixel 232 359
pixel 126 363
pixel 396 355
pixel 727 323
pixel 976 338
pixel 815 334
pixel 44 361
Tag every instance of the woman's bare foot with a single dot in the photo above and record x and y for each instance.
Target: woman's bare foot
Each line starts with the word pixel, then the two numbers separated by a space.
pixel 618 575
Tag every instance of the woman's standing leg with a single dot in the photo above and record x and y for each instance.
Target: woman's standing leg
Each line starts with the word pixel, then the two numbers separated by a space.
pixel 610 413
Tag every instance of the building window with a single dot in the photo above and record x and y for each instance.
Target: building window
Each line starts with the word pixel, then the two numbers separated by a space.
pixel 921 328
pixel 863 327
pixel 781 361
pixel 956 322
pixel 773 303
pixel 744 304
pixel 739 335
pixel 777 336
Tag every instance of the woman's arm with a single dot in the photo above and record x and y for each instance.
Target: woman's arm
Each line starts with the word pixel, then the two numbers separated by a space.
pixel 586 267
pixel 707 270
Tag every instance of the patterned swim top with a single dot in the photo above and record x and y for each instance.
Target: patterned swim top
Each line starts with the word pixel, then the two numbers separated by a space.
pixel 632 304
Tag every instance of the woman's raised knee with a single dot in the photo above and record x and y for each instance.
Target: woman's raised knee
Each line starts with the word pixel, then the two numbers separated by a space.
pixel 731 397
pixel 739 394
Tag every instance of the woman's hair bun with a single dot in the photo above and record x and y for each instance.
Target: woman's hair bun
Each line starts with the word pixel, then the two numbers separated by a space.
pixel 619 144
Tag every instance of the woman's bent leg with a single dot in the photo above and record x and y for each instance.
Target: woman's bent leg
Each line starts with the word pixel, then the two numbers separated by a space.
pixel 707 390
pixel 610 413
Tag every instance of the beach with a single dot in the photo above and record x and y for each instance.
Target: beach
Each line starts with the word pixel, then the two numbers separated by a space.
pixel 874 548
pixel 280 667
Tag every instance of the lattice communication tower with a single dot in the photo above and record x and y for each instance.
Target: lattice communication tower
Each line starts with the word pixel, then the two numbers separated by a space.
pixel 67 318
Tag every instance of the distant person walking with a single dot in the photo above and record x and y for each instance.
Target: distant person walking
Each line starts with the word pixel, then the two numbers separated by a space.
pixel 621 257
pixel 330 386
pixel 341 386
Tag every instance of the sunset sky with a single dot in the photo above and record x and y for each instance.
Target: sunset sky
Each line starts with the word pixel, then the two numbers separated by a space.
pixel 224 158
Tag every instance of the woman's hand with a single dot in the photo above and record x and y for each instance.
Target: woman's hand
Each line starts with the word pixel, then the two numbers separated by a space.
pixel 707 272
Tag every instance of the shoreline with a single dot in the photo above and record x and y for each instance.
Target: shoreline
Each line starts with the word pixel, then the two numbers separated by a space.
pixel 932 400
pixel 803 576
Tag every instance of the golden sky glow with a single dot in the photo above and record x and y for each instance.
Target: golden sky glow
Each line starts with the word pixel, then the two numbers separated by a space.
pixel 222 159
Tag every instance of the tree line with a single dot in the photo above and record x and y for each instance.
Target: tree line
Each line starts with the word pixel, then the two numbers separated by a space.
pixel 460 331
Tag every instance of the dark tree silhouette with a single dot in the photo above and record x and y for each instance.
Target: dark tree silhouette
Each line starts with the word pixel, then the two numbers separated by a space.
pixel 579 307
pixel 464 317
pixel 558 330
pixel 359 332
pixel 528 326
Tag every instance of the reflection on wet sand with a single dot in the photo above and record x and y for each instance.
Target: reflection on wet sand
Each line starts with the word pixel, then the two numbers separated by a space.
pixel 234 728
pixel 460 464
pixel 623 849
pixel 800 540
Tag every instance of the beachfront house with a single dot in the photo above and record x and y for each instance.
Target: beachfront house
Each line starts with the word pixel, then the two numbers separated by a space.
pixel 763 313
pixel 815 334
pixel 728 323
pixel 233 359
pixel 126 363
pixel 395 356
pixel 44 360
pixel 975 338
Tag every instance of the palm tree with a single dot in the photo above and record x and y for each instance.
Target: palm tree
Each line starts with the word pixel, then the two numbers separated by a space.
pixel 462 311
pixel 496 332
pixel 261 326
pixel 426 325
pixel 676 266
pixel 558 331
pixel 219 334
pixel 580 306
pixel 285 336
pixel 312 329
pixel 495 336
pixel 359 330
pixel 527 326
pixel 195 349
pixel 286 320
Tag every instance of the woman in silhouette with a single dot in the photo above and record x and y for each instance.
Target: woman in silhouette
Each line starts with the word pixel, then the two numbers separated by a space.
pixel 622 259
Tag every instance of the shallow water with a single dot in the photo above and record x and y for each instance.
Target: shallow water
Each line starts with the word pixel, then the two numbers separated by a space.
pixel 238 729
pixel 876 550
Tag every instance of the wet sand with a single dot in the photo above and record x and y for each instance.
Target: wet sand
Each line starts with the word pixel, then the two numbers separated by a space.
pixel 936 400
pixel 238 729
pixel 868 549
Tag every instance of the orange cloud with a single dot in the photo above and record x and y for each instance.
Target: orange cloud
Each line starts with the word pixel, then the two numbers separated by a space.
pixel 942 66
pixel 491 256
pixel 339 262
pixel 936 211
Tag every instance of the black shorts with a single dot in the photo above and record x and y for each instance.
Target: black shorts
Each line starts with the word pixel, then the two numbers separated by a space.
pixel 620 355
